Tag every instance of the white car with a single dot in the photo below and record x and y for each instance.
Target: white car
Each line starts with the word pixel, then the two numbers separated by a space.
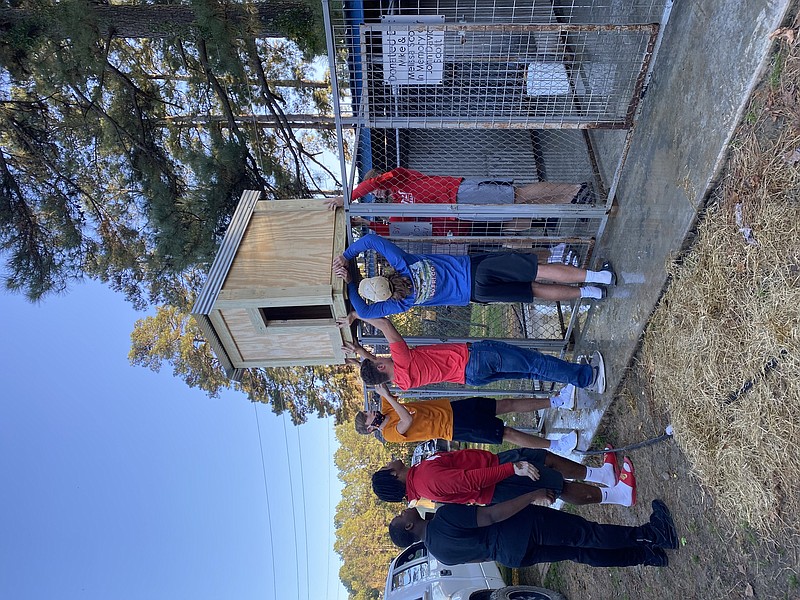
pixel 416 575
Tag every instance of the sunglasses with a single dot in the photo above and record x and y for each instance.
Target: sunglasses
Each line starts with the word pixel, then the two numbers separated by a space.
pixel 379 418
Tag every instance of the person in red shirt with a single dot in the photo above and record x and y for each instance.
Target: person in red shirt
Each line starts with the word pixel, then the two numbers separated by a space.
pixel 440 226
pixel 407 186
pixel 479 363
pixel 481 477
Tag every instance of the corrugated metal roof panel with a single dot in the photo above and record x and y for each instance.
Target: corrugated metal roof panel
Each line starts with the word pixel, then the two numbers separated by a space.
pixel 227 252
pixel 216 344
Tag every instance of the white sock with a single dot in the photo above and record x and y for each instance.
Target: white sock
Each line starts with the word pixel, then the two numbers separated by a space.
pixel 603 277
pixel 619 494
pixel 603 475
pixel 590 291
pixel 565 444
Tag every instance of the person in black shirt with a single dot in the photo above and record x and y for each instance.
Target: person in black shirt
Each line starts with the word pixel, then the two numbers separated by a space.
pixel 516 534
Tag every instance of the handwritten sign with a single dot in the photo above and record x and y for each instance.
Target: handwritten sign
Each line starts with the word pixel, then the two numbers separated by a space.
pixel 412 55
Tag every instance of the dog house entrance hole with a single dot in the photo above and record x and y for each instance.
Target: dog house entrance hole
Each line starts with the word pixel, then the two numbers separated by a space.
pixel 297 313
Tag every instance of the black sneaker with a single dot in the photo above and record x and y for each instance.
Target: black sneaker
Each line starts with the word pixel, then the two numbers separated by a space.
pixel 655 557
pixel 663 527
pixel 607 267
pixel 585 195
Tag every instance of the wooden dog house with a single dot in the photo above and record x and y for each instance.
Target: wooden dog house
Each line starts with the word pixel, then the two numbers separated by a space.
pixel 271 299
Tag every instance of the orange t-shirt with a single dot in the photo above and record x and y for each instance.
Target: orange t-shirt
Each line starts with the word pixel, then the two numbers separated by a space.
pixel 415 367
pixel 430 419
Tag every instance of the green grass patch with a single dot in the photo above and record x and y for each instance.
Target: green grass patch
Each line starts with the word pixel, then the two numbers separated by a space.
pixel 489 321
pixel 507 574
pixel 748 533
pixel 554 579
pixel 776 71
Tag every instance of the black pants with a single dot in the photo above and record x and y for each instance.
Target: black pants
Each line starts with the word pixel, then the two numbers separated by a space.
pixel 559 536
pixel 503 276
pixel 514 486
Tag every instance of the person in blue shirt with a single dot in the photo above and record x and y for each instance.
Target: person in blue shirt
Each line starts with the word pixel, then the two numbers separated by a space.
pixel 447 280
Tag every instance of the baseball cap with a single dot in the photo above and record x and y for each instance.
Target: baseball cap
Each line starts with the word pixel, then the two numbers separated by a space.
pixel 376 289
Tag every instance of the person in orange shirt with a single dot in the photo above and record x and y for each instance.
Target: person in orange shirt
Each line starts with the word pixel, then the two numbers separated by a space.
pixel 467 420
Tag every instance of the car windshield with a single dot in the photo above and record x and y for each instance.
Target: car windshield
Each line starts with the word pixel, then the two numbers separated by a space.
pixel 411 554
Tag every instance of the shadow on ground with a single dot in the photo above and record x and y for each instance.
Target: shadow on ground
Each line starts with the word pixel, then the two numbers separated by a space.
pixel 718 558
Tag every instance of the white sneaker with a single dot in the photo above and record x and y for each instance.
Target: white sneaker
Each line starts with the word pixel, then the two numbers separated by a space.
pixel 598 373
pixel 565 444
pixel 565 398
pixel 557 253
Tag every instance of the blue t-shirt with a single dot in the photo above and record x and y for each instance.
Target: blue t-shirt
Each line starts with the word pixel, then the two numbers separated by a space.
pixel 453 536
pixel 438 279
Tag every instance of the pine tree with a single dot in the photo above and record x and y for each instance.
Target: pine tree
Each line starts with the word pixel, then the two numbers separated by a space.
pixel 361 519
pixel 171 337
pixel 96 182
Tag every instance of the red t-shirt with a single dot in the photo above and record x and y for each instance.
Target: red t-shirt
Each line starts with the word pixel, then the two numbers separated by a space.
pixel 412 187
pixel 415 367
pixel 461 477
pixel 440 226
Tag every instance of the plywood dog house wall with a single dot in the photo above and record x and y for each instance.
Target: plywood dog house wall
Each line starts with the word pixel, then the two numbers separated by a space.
pixel 271 299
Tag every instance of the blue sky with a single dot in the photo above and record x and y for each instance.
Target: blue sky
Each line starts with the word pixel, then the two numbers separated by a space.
pixel 122 483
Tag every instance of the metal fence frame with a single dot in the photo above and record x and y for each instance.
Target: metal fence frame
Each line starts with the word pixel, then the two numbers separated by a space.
pixel 587 17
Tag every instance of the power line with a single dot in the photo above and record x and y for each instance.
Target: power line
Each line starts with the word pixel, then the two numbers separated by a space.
pixel 330 514
pixel 305 506
pixel 294 515
pixel 266 498
pixel 291 503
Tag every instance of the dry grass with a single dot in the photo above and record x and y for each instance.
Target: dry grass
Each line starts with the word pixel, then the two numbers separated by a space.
pixel 731 310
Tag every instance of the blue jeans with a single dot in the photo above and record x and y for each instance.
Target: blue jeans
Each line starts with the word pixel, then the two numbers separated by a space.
pixel 492 361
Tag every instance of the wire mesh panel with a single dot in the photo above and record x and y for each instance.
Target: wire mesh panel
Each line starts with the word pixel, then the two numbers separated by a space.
pixel 489 126
pixel 524 156
pixel 539 321
pixel 476 41
pixel 537 324
pixel 450 75
pixel 489 225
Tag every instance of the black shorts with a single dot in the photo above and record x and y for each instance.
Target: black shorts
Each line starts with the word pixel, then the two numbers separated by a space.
pixel 511 487
pixel 503 276
pixel 475 420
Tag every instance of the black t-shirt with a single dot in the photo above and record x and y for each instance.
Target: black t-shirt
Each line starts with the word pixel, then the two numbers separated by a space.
pixel 453 537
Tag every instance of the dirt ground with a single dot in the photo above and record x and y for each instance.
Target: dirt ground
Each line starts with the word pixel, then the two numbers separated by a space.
pixel 721 556
pixel 718 558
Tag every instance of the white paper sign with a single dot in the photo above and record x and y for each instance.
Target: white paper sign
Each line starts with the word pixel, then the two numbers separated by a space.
pixel 412 55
